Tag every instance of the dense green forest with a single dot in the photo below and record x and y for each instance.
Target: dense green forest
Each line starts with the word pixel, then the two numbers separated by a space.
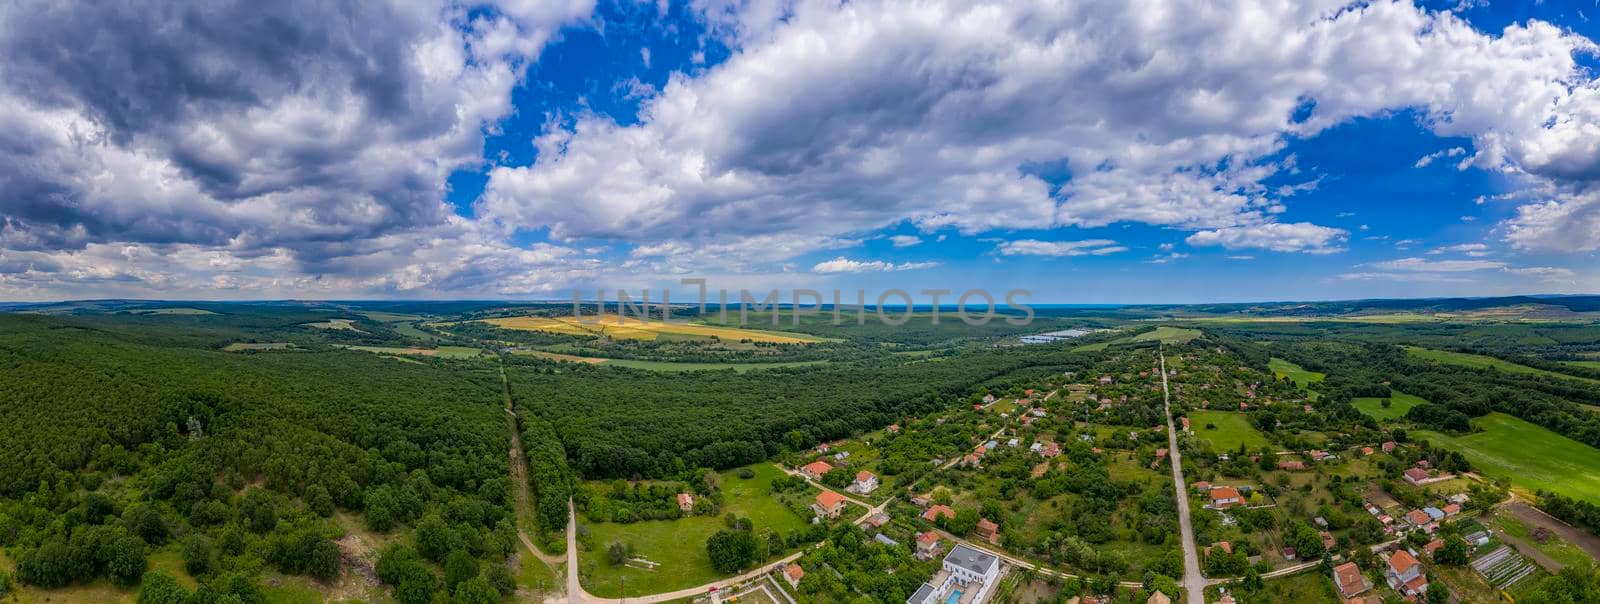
pixel 115 442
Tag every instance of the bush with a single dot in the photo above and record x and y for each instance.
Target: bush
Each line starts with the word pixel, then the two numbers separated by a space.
pixel 746 473
pixel 197 555
pixel 459 567
pixel 161 588
pixel 476 591
pixel 500 579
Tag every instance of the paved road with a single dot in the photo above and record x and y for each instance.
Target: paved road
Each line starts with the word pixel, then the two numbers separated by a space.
pixel 1193 582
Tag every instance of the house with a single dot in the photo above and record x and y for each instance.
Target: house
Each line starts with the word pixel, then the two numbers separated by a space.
pixel 1225 546
pixel 1292 465
pixel 828 504
pixel 1158 598
pixel 1289 553
pixel 1105 379
pixel 972 460
pixel 1202 486
pixel 1348 580
pixel 927 545
pixel 1223 498
pixel 1038 413
pixel 933 513
pixel 1012 443
pixel 1028 393
pixel 1051 450
pixel 886 540
pixel 1388 446
pixel 1161 453
pixel 816 469
pixel 1434 513
pixel 1036 446
pixel 1185 422
pixel 1319 455
pixel 866 482
pixel 1418 517
pixel 1432 548
pixel 1327 540
pixel 894 428
pixel 1365 451
pixel 988 398
pixel 1423 463
pixel 967 572
pixel 988 531
pixel 877 520
pixel 685 502
pixel 1027 420
pixel 1416 476
pixel 920 501
pixel 1405 574
pixel 1451 510
pixel 793 574
pixel 823 448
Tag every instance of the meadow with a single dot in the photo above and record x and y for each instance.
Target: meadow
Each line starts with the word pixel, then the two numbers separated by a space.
pixel 1399 404
pixel 666 365
pixel 635 329
pixel 1297 374
pixel 1531 456
pixel 443 352
pixel 1165 334
pixel 1232 429
pixel 1480 361
pixel 679 546
pixel 1584 364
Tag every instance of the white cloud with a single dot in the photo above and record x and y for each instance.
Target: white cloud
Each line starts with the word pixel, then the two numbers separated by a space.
pixel 1059 249
pixel 1545 273
pixel 1240 257
pixel 1563 222
pixel 1475 250
pixel 905 240
pixel 1451 152
pixel 846 265
pixel 1275 236
pixel 1437 266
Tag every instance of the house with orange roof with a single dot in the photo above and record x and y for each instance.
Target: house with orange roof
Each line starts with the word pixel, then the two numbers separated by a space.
pixel 685 502
pixel 866 482
pixel 828 504
pixel 1223 498
pixel 816 469
pixel 927 545
pixel 933 512
pixel 988 531
pixel 793 574
pixel 1405 574
pixel 1348 580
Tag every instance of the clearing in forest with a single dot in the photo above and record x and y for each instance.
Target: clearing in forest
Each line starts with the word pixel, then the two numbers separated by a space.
pixel 1231 430
pixel 634 329
pixel 1480 361
pixel 1297 374
pixel 1531 456
pixel 1399 404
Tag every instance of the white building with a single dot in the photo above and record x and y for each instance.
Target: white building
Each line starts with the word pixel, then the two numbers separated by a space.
pixel 967 576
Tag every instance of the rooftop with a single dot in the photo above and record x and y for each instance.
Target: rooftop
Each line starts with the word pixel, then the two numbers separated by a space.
pixel 970 558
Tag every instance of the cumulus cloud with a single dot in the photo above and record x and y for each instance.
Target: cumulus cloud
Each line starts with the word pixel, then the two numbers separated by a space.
pixel 314 133
pixel 1451 152
pixel 846 265
pixel 1563 222
pixel 1059 249
pixel 929 111
pixel 1475 250
pixel 1275 236
pixel 905 240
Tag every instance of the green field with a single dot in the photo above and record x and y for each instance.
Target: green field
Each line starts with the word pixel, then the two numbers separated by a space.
pixel 248 346
pixel 1531 456
pixel 1166 334
pixel 443 352
pixel 1555 547
pixel 667 365
pixel 1584 364
pixel 172 311
pixel 679 546
pixel 1232 429
pixel 1480 361
pixel 1297 374
pixel 1399 404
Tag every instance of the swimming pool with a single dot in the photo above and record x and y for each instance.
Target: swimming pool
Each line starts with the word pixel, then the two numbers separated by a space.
pixel 955 596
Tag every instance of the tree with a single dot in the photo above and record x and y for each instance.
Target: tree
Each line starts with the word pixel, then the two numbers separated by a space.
pixel 500 579
pixel 617 553
pixel 459 566
pixel 197 554
pixel 319 501
pixel 475 591
pixel 433 538
pixel 125 560
pixel 1453 552
pixel 161 588
pixel 731 551
pixel 145 522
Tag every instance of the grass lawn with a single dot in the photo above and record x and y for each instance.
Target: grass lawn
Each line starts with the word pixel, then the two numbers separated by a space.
pixel 631 328
pixel 533 574
pixel 1304 588
pixel 1477 360
pixel 680 545
pixel 1399 404
pixel 1169 335
pixel 1531 456
pixel 1232 429
pixel 1297 374
pixel 1555 547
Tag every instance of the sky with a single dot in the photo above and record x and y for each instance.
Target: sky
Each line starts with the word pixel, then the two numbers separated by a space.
pixel 1160 151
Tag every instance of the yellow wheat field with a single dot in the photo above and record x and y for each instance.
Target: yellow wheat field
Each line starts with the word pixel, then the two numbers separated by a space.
pixel 634 329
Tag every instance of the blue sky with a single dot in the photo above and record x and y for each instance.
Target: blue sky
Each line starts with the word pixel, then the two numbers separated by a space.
pixel 1091 153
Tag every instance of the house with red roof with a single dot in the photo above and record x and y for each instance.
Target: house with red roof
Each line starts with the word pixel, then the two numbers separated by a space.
pixel 1348 580
pixel 685 502
pixel 866 482
pixel 1292 465
pixel 828 504
pixel 1418 517
pixel 1416 476
pixel 933 512
pixel 927 545
pixel 1388 446
pixel 816 469
pixel 1223 498
pixel 793 574
pixel 1405 574
pixel 988 531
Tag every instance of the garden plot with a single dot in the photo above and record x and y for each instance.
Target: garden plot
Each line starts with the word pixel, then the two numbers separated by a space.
pixel 1503 567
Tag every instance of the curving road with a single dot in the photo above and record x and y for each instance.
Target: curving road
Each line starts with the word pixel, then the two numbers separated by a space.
pixel 1193 582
